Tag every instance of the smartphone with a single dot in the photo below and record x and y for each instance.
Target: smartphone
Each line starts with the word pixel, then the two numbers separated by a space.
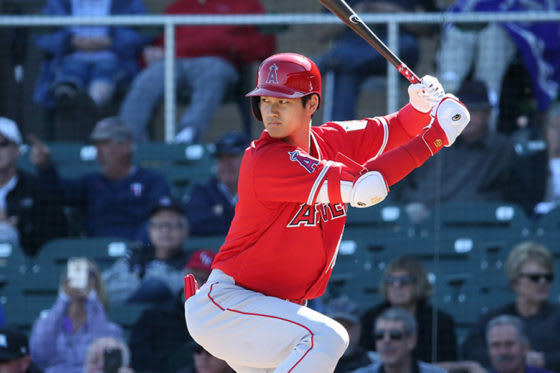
pixel 77 273
pixel 112 360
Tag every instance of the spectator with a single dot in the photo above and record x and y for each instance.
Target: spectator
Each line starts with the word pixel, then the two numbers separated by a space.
pixel 29 216
pixel 116 201
pixel 206 67
pixel 211 205
pixel 108 354
pixel 153 273
pixel 59 340
pixel 14 352
pixel 158 338
pixel 530 273
pixel 396 333
pixel 92 58
pixel 489 166
pixel 347 313
pixel 489 48
pixel 352 60
pixel 552 197
pixel 508 346
pixel 405 284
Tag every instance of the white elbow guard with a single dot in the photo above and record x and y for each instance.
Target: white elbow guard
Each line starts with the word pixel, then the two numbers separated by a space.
pixel 368 190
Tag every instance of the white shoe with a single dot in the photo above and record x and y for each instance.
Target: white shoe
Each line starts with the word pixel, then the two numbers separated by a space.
pixel 186 135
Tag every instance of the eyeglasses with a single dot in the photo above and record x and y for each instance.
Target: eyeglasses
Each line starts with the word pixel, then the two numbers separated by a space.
pixel 536 277
pixel 166 225
pixel 5 143
pixel 394 334
pixel 398 280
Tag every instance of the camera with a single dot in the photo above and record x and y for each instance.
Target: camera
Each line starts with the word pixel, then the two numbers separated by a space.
pixel 112 360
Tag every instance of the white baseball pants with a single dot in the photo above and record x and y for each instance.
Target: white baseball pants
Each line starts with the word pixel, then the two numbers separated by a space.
pixel 257 333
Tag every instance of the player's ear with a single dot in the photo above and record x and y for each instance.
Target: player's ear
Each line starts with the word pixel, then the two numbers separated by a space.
pixel 313 103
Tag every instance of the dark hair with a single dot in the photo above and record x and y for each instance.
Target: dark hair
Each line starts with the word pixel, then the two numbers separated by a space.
pixel 415 269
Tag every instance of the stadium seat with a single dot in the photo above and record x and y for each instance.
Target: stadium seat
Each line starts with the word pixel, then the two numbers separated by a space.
pixel 102 250
pixel 204 242
pixel 387 217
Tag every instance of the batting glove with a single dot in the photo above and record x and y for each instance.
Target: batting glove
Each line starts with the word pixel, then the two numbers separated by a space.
pixel 426 94
pixel 451 117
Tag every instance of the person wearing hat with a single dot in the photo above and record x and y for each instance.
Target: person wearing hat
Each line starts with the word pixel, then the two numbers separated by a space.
pixel 159 333
pixel 114 201
pixel 211 204
pixel 489 165
pixel 29 216
pixel 347 313
pixel 152 273
pixel 14 352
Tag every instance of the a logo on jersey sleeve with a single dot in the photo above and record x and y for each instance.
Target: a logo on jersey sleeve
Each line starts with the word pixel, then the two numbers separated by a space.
pixel 272 74
pixel 310 164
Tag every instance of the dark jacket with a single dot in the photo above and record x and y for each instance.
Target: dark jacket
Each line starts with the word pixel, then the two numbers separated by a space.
pixel 210 208
pixel 40 215
pixel 543 331
pixel 446 339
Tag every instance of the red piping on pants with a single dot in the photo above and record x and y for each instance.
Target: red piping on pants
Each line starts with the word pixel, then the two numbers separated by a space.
pixel 269 316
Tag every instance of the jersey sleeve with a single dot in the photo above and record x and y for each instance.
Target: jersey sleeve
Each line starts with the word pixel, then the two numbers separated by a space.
pixel 368 138
pixel 289 174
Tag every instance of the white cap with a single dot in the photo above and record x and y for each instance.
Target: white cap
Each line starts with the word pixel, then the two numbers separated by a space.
pixel 9 129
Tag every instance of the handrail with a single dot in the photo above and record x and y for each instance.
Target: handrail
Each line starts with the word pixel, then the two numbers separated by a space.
pixel 168 22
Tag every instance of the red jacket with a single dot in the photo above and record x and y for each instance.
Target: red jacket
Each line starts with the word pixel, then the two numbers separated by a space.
pixel 239 44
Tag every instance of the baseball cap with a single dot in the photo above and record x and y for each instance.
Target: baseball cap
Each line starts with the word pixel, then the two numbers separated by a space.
pixel 13 344
pixel 474 95
pixel 111 128
pixel 167 203
pixel 343 308
pixel 231 143
pixel 202 260
pixel 9 129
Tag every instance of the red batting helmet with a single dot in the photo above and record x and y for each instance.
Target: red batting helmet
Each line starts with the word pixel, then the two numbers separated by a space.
pixel 286 75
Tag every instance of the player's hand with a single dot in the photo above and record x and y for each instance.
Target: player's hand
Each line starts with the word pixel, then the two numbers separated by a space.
pixel 450 119
pixel 40 154
pixel 426 94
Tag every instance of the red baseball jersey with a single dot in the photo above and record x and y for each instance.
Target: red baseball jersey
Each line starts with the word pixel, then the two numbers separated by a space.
pixel 281 242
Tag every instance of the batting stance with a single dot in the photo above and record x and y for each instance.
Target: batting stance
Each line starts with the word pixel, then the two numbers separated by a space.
pixel 294 186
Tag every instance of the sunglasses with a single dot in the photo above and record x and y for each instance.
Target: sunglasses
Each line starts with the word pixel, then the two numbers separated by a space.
pixel 394 334
pixel 5 143
pixel 536 277
pixel 398 280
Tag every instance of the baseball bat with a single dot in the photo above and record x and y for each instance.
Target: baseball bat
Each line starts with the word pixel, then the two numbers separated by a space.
pixel 343 11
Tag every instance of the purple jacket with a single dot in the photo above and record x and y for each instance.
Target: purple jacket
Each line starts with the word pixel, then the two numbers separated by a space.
pixel 53 346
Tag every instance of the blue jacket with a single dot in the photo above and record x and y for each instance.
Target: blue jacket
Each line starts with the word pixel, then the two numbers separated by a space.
pixel 210 209
pixel 127 44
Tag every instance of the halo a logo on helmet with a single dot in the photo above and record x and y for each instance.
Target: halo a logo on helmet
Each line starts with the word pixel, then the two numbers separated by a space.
pixel 272 77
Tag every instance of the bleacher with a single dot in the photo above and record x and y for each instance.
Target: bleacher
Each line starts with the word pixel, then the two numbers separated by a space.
pixel 463 246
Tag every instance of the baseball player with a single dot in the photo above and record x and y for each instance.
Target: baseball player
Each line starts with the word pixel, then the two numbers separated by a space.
pixel 294 187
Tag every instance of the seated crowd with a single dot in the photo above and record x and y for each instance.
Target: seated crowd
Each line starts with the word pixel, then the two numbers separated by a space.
pixel 408 331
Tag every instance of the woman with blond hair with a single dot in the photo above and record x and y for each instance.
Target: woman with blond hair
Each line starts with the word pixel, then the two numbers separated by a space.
pixel 405 284
pixel 530 272
pixel 59 341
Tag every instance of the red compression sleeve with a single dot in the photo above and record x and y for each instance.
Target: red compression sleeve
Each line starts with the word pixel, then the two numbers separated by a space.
pixel 413 121
pixel 399 162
